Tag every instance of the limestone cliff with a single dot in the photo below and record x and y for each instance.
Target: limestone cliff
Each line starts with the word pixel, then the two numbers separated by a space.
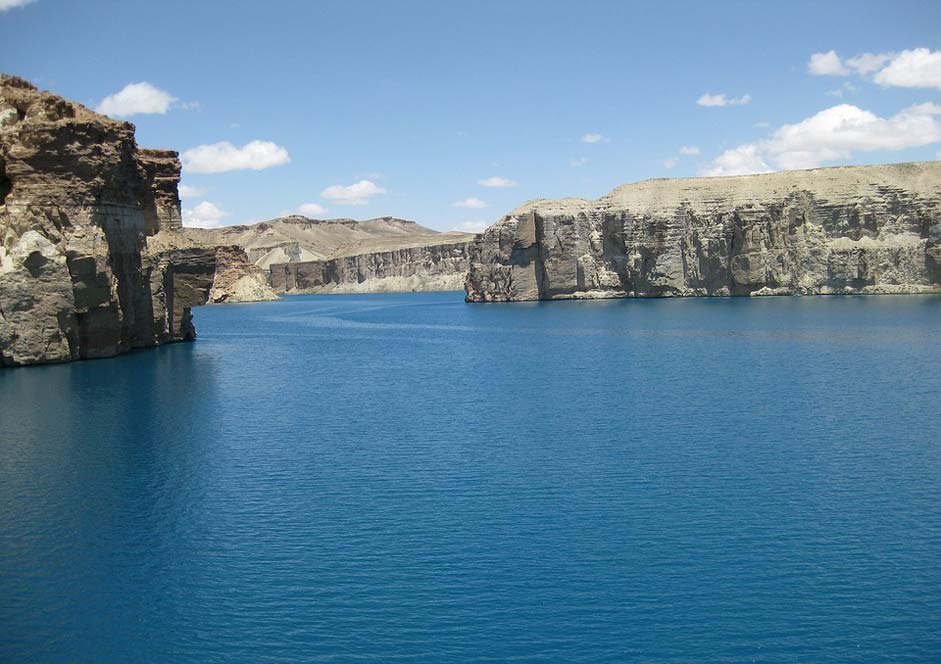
pixel 414 268
pixel 80 204
pixel 852 229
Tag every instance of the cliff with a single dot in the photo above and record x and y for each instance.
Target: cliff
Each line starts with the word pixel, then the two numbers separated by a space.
pixel 853 229
pixel 302 255
pixel 89 266
pixel 439 266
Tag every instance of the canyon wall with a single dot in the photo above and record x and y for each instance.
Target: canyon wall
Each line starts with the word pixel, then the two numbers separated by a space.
pixel 416 268
pixel 89 262
pixel 852 229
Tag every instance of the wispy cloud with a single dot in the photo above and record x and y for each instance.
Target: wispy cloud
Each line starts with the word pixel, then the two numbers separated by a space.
pixel 496 181
pixel 472 203
pixel 358 193
pixel 10 4
pixel 669 163
pixel 911 68
pixel 477 226
pixel 594 138
pixel 186 191
pixel 311 209
pixel 223 156
pixel 689 150
pixel 578 163
pixel 722 100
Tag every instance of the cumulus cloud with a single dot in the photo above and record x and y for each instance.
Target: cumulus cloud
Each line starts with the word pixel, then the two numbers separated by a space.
pixel 477 226
pixel 912 68
pixel 827 64
pixel 722 100
pixel 311 209
pixel 136 99
pixel 223 156
pixel 472 203
pixel 594 138
pixel 10 4
pixel 918 68
pixel 496 181
pixel 357 193
pixel 204 215
pixel 187 191
pixel 689 150
pixel 833 134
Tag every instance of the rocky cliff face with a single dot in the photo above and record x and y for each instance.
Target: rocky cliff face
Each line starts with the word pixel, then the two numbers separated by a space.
pixel 866 229
pixel 88 267
pixel 239 280
pixel 424 267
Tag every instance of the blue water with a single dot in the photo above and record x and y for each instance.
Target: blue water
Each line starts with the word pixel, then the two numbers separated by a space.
pixel 407 478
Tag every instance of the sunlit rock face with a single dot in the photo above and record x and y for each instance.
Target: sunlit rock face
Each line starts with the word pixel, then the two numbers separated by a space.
pixel 88 265
pixel 853 229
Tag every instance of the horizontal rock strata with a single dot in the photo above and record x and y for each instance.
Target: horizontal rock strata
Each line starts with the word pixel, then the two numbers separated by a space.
pixel 853 229
pixel 427 267
pixel 79 204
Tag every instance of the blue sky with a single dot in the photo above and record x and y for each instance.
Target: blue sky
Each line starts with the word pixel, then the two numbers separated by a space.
pixel 404 108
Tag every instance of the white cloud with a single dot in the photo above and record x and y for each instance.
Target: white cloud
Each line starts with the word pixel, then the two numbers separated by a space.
pixel 833 134
pixel 918 68
pixel 187 191
pixel 866 63
pixel 496 181
pixel 311 209
pixel 204 215
pixel 136 99
pixel 737 161
pixel 357 193
pixel 846 88
pixel 472 203
pixel 10 4
pixel 578 163
pixel 669 163
pixel 722 100
pixel 762 124
pixel 912 68
pixel 827 64
pixel 223 156
pixel 472 226
pixel 594 138
pixel 689 149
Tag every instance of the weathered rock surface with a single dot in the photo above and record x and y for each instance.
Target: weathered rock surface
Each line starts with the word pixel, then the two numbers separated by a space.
pixel 417 268
pixel 852 229
pixel 79 202
pixel 302 255
pixel 238 279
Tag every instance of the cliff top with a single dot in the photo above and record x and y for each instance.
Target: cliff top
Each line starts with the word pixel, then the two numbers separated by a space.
pixel 707 193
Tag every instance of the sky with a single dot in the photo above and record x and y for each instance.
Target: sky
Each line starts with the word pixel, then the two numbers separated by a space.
pixel 454 113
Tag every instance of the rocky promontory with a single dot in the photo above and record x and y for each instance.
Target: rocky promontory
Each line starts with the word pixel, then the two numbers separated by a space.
pixel 851 229
pixel 90 265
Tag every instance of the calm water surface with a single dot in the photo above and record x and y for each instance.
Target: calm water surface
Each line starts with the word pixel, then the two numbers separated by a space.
pixel 406 478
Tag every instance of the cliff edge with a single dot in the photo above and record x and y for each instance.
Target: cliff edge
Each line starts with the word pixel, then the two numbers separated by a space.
pixel 850 229
pixel 89 263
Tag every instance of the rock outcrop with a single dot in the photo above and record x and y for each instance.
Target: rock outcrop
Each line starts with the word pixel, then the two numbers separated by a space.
pixel 852 229
pixel 238 279
pixel 88 265
pixel 416 268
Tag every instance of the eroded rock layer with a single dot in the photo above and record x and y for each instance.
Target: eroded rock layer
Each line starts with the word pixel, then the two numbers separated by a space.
pixel 853 229
pixel 79 202
pixel 424 267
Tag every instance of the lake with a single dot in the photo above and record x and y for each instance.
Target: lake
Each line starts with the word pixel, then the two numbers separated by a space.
pixel 409 478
